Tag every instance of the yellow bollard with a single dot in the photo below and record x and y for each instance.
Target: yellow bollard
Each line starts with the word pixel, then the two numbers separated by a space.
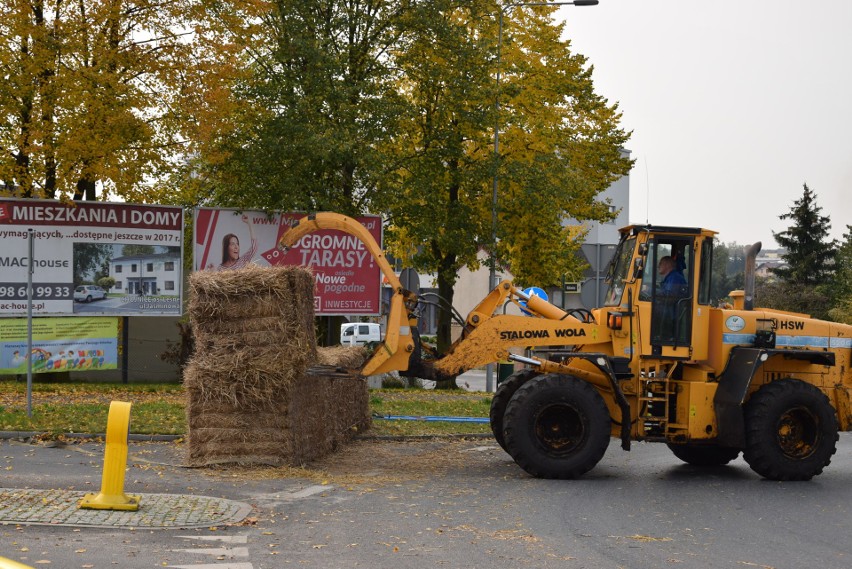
pixel 9 564
pixel 112 496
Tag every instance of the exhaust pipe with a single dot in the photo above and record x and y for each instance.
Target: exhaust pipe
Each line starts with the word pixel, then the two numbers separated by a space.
pixel 751 256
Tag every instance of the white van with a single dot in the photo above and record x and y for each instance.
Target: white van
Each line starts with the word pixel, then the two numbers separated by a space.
pixel 359 333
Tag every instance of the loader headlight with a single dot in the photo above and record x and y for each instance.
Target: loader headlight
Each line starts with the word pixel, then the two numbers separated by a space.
pixel 615 320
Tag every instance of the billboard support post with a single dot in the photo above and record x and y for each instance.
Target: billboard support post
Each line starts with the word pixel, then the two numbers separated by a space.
pixel 30 264
pixel 125 345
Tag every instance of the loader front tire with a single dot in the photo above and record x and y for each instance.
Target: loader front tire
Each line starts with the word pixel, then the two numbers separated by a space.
pixel 504 393
pixel 556 426
pixel 704 455
pixel 791 431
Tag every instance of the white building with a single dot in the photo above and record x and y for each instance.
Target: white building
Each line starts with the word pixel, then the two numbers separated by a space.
pixel 156 274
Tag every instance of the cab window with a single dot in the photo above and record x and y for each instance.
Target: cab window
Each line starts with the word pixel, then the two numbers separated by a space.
pixel 706 272
pixel 619 272
pixel 667 282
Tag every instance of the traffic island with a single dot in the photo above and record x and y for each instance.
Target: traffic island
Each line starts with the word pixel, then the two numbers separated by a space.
pixel 157 511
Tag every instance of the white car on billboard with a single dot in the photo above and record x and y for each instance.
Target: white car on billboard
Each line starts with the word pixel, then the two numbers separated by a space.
pixel 88 293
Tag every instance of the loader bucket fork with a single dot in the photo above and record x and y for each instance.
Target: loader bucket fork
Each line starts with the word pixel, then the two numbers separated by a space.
pixel 400 335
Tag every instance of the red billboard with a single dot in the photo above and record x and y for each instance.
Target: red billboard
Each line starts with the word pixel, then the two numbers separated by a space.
pixel 348 281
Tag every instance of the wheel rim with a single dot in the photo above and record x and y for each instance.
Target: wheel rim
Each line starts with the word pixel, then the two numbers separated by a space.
pixel 798 433
pixel 560 429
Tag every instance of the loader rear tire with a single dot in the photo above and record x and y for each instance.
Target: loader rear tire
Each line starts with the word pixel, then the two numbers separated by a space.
pixel 704 455
pixel 556 426
pixel 504 393
pixel 791 431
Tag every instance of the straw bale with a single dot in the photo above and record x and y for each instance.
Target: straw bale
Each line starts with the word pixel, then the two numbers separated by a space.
pixel 253 397
pixel 329 410
pixel 252 291
pixel 245 452
pixel 322 412
pixel 226 436
pixel 350 357
pixel 240 309
pixel 245 388
pixel 238 419
pixel 282 364
pixel 273 325
pixel 248 280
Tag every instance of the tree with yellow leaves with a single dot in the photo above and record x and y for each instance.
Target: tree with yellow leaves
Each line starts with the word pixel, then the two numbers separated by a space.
pixel 87 106
pixel 560 146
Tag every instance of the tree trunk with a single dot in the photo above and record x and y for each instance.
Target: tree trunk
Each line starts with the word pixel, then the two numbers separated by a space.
pixel 446 285
pixel 22 156
pixel 85 190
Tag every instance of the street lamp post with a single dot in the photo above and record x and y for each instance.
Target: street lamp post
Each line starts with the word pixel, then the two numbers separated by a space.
pixel 492 270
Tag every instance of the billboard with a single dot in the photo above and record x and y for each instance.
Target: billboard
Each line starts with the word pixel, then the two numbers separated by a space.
pixel 348 281
pixel 91 258
pixel 59 344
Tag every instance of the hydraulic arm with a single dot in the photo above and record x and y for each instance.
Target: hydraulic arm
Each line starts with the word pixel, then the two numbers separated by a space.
pixel 486 337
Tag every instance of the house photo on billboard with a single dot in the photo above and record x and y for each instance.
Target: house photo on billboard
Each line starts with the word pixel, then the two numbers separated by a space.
pixel 154 274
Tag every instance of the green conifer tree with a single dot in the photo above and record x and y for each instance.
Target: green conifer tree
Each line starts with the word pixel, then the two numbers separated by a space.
pixel 810 254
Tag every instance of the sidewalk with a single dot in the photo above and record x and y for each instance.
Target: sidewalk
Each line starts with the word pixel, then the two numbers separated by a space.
pixel 474 380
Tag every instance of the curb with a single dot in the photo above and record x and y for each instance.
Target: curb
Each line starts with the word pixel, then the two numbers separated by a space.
pixel 131 437
pixel 422 437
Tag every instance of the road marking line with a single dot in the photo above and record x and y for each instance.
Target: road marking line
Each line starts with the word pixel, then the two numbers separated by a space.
pixel 222 538
pixel 229 551
pixel 215 566
pixel 309 491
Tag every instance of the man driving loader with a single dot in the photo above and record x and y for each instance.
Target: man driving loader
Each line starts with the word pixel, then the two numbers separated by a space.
pixel 672 288
pixel 673 282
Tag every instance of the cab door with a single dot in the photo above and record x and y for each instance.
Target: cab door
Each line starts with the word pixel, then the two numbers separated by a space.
pixel 679 313
pixel 670 284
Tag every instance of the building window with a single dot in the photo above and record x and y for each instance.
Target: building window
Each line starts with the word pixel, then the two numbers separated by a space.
pixel 169 285
pixel 133 268
pixel 149 267
pixel 170 265
pixel 117 285
pixel 613 210
pixel 118 268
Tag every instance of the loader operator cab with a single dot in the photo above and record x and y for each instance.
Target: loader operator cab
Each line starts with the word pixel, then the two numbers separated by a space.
pixel 671 269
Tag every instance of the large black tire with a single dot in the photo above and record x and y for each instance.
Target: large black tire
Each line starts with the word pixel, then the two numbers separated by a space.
pixel 504 393
pixel 704 455
pixel 791 431
pixel 556 426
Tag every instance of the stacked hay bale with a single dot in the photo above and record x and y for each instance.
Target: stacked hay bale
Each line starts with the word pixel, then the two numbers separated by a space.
pixel 251 397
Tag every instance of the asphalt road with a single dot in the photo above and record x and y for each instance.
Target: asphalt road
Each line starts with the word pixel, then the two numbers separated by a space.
pixel 449 503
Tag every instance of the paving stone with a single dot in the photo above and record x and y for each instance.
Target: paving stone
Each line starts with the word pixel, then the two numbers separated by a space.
pixel 60 507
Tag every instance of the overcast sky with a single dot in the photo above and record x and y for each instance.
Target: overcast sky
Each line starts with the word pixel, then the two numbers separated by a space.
pixel 733 106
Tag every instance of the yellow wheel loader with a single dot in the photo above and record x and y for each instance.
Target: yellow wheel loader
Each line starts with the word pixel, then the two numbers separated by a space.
pixel 656 362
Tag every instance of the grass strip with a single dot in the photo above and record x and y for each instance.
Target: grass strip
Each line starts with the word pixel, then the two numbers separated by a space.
pixel 160 409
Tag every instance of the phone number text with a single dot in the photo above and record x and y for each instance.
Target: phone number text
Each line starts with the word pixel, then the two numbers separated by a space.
pixel 41 291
